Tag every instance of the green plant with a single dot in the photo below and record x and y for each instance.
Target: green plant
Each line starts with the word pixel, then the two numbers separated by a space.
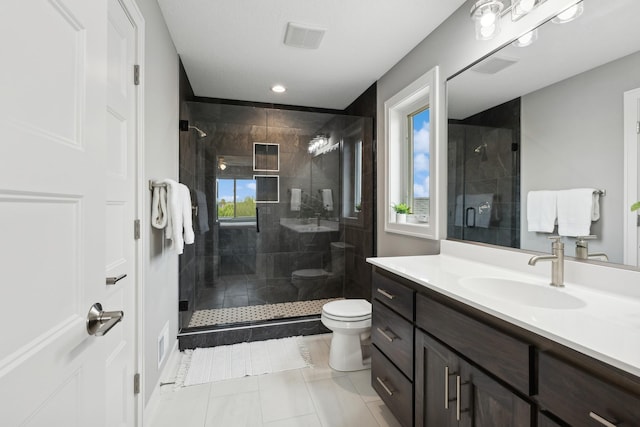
pixel 401 208
pixel 635 206
pixel 358 207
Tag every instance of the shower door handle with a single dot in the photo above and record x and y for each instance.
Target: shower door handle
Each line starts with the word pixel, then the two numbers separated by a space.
pixel 257 220
pixel 472 210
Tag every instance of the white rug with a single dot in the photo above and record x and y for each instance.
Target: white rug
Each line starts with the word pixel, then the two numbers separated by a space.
pixel 204 365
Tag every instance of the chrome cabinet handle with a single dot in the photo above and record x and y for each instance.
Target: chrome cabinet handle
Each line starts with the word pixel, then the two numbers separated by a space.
pixel 458 397
pixel 446 387
pixel 391 337
pixel 114 280
pixel 384 386
pixel 99 322
pixel 601 420
pixel 386 294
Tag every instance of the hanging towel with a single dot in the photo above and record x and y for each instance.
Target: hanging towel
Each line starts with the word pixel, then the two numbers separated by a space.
pixel 576 209
pixel 296 199
pixel 159 214
pixel 203 212
pixel 187 212
pixel 541 211
pixel 327 199
pixel 173 230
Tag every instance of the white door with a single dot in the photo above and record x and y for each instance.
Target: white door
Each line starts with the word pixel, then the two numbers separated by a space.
pixel 631 176
pixel 53 194
pixel 120 213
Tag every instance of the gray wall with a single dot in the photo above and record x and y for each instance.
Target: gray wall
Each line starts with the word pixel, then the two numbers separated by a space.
pixel 452 46
pixel 573 130
pixel 160 265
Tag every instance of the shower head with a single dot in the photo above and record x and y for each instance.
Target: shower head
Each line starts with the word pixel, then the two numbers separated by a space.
pixel 482 150
pixel 201 133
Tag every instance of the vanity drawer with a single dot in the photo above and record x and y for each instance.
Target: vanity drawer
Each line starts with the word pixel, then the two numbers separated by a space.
pixel 392 387
pixel 578 397
pixel 501 355
pixel 394 336
pixel 394 295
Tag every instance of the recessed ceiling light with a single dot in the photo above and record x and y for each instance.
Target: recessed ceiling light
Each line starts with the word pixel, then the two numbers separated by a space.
pixel 278 88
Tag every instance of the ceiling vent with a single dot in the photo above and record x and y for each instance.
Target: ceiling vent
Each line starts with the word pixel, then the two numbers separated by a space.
pixel 493 65
pixel 298 35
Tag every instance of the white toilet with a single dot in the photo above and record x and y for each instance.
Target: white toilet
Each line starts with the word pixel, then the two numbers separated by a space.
pixel 350 322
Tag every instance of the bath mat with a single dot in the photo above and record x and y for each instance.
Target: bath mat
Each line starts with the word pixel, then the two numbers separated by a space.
pixel 204 365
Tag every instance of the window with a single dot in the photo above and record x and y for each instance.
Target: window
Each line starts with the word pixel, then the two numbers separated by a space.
pixel 418 160
pixel 415 166
pixel 236 198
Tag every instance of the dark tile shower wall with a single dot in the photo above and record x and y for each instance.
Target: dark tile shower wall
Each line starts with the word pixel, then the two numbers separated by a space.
pixel 237 266
pixel 494 169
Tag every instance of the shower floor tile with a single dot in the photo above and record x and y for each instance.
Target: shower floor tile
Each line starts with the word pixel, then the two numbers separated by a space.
pixel 252 313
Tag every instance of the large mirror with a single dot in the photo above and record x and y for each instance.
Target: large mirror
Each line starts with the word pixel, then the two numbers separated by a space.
pixel 546 116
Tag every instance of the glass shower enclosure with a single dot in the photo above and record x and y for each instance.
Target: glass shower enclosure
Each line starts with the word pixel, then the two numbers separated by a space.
pixel 274 189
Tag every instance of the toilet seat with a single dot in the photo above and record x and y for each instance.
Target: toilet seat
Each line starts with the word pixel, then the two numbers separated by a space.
pixel 347 310
pixel 309 273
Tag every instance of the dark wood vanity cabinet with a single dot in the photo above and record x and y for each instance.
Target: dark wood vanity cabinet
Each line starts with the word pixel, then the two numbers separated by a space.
pixel 468 368
pixel 392 352
pixel 451 391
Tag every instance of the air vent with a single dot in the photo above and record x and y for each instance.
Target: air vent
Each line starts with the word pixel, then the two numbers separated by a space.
pixel 298 35
pixel 493 65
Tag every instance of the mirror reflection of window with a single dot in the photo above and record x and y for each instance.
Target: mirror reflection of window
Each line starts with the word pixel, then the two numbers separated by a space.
pixel 418 163
pixel 236 198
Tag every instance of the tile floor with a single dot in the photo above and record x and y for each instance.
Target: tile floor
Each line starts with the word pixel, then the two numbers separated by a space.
pixel 308 397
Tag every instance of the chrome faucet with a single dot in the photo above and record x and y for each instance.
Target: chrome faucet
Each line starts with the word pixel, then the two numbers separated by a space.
pixel 582 249
pixel 557 261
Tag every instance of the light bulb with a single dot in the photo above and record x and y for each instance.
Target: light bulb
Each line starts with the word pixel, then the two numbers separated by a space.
pixel 526 39
pixel 487 32
pixel 526 6
pixel 569 15
pixel 487 19
pixel 278 89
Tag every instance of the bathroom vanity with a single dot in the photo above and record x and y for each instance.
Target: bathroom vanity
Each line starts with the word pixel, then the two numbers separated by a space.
pixel 458 341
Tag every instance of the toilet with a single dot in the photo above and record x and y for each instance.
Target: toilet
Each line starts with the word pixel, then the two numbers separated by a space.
pixel 350 322
pixel 310 282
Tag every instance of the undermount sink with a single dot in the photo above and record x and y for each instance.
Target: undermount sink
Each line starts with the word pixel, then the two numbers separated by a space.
pixel 523 293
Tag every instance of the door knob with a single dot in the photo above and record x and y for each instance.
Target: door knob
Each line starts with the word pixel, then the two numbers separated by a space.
pixel 99 322
pixel 114 280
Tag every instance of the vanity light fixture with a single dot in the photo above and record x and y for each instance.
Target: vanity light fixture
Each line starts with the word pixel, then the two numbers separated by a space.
pixel 569 14
pixel 486 15
pixel 526 39
pixel 520 8
pixel 278 89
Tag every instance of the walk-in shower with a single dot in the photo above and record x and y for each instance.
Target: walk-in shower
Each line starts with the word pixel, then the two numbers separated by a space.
pixel 279 195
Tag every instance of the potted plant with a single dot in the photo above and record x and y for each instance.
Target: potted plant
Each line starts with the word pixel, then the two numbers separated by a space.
pixel 401 209
pixel 635 206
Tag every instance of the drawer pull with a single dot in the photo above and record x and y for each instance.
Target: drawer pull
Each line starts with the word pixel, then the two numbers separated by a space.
pixel 601 420
pixel 386 294
pixel 384 386
pixel 458 386
pixel 446 387
pixel 391 337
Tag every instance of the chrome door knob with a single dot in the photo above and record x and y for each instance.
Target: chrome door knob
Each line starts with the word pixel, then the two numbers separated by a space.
pixel 99 322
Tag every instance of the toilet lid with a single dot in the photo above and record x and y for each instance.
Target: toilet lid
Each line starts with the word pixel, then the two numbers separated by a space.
pixel 351 309
pixel 309 273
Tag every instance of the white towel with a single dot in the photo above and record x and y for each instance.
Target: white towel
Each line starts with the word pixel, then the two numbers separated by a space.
pixel 187 212
pixel 576 209
pixel 203 212
pixel 327 199
pixel 541 210
pixel 159 214
pixel 296 199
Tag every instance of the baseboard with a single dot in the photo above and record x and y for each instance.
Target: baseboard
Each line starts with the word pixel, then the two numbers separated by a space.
pixel 167 375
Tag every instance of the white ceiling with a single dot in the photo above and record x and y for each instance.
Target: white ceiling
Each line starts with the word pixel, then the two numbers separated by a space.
pixel 233 49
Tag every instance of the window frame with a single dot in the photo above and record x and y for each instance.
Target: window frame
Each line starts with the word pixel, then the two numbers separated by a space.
pixel 424 91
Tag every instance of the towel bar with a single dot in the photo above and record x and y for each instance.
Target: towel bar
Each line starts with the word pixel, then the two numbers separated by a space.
pixel 156 184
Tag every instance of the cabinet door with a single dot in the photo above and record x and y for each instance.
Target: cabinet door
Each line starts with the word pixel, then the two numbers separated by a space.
pixel 486 403
pixel 436 370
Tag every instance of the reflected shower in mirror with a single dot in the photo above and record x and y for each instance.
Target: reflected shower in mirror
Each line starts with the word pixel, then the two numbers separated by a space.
pixel 548 116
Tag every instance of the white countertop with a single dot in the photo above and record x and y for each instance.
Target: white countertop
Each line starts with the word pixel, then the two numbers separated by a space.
pixel 605 325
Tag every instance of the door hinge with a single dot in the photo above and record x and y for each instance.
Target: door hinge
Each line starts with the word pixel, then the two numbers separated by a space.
pixel 136 384
pixel 136 74
pixel 136 229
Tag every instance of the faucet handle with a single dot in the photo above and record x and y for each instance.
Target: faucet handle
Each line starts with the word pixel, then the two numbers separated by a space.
pixel 589 237
pixel 555 239
pixel 557 242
